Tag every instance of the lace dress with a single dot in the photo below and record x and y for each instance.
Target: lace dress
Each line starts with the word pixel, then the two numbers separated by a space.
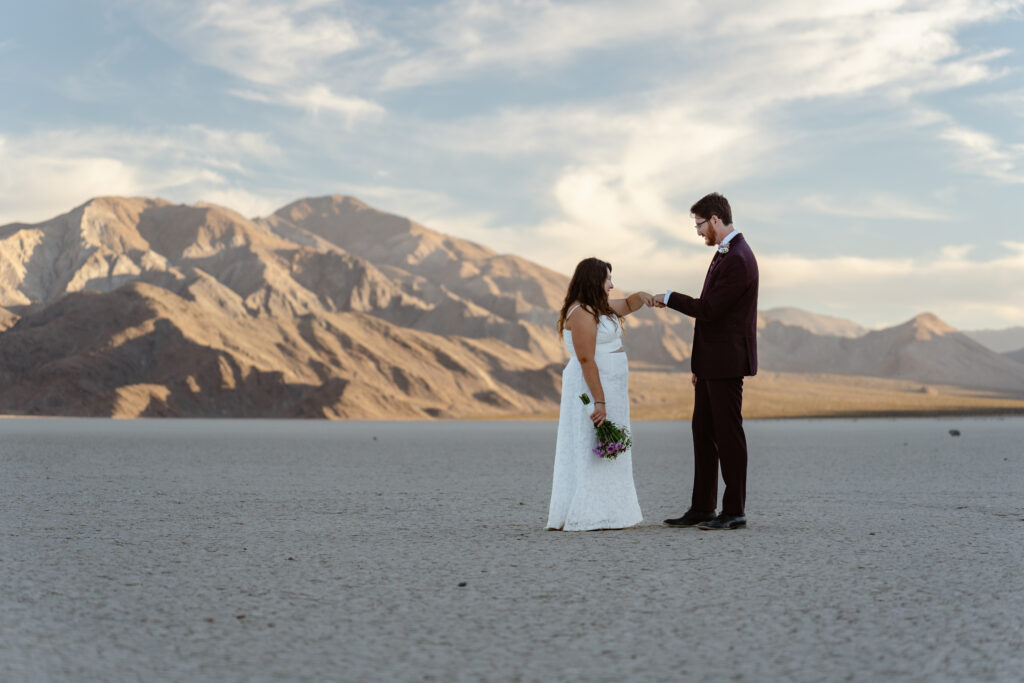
pixel 589 492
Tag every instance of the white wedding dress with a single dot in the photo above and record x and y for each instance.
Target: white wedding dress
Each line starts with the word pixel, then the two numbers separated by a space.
pixel 587 491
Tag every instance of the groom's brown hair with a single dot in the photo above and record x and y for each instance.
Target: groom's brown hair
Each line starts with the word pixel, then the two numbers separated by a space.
pixel 713 204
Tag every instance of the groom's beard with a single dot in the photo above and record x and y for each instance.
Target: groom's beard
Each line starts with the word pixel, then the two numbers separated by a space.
pixel 709 239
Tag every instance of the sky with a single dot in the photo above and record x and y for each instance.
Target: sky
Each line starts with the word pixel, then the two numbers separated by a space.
pixel 872 150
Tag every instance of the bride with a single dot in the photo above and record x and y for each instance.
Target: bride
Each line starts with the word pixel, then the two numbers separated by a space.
pixel 587 491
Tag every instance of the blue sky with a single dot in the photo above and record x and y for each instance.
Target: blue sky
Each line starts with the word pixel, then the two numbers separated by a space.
pixel 873 151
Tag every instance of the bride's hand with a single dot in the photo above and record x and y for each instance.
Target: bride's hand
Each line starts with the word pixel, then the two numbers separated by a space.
pixel 647 299
pixel 599 414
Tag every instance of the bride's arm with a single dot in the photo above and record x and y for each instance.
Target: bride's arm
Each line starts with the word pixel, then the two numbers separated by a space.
pixel 630 304
pixel 584 342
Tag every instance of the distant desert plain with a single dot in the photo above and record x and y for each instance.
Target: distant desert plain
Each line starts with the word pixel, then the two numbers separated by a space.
pixel 330 308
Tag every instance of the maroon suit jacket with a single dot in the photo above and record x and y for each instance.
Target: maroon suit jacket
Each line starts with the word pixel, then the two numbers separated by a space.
pixel 725 315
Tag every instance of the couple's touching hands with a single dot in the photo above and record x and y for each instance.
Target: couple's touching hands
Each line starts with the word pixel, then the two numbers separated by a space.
pixel 652 300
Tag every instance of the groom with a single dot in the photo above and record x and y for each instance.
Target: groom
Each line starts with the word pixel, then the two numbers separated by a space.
pixel 724 352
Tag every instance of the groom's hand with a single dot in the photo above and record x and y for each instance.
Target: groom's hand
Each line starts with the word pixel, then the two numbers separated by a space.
pixel 659 301
pixel 647 299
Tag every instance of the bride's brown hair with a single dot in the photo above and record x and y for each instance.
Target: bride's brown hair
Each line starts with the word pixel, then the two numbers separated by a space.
pixel 587 287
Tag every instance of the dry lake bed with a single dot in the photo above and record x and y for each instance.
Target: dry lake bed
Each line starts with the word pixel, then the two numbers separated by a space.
pixel 214 550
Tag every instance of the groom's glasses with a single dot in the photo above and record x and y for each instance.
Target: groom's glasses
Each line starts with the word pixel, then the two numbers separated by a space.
pixel 700 223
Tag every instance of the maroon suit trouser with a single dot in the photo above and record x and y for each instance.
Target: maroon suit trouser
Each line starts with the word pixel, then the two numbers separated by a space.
pixel 718 439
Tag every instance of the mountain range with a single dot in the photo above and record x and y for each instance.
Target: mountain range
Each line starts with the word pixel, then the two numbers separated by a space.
pixel 331 308
pixel 1008 341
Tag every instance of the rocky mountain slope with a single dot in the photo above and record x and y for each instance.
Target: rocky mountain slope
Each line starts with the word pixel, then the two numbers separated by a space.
pixel 209 289
pixel 814 322
pixel 144 350
pixel 925 349
pixel 1001 341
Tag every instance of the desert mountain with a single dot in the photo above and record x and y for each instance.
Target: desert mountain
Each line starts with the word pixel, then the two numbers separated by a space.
pixel 507 286
pixel 925 349
pixel 144 350
pixel 467 288
pixel 112 241
pixel 814 322
pixel 189 270
pixel 108 242
pixel 1017 355
pixel 329 307
pixel 1001 341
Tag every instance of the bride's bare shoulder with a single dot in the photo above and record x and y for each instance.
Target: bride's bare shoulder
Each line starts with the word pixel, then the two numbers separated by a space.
pixel 579 314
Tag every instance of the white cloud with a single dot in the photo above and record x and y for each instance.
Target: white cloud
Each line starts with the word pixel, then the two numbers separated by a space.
pixel 822 49
pixel 313 56
pixel 966 292
pixel 282 48
pixel 315 99
pixel 520 132
pixel 40 186
pixel 465 36
pixel 319 98
pixel 252 96
pixel 1012 101
pixel 249 204
pixel 47 173
pixel 623 165
pixel 618 170
pixel 263 42
pixel 976 151
pixel 434 210
pixel 956 253
pixel 876 205
pixel 982 153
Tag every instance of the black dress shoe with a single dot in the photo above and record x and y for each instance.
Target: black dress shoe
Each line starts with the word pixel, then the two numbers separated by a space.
pixel 724 521
pixel 691 518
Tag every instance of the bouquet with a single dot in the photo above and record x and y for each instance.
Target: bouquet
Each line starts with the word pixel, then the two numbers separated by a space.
pixel 611 438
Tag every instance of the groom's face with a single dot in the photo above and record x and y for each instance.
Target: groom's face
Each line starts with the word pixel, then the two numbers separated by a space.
pixel 705 228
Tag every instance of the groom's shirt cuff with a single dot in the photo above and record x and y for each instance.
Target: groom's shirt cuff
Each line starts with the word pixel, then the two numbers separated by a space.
pixel 668 294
